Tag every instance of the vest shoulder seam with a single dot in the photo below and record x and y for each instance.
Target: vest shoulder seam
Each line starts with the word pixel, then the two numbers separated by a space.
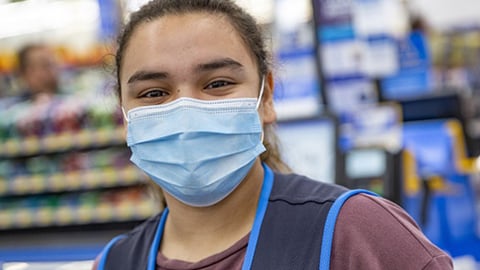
pixel 301 202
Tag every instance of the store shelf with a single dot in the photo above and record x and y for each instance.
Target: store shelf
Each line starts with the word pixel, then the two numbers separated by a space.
pixel 73 181
pixel 77 215
pixel 84 139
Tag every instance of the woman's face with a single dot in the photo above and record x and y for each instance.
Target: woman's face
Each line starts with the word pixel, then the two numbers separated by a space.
pixel 193 55
pixel 41 72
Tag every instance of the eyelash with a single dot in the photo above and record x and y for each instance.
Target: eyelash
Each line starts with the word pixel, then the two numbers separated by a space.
pixel 162 93
pixel 222 83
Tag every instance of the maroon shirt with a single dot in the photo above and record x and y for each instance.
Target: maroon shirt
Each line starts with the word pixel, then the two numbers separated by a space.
pixel 371 233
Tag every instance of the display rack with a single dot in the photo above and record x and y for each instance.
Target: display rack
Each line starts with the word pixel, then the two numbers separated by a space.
pixel 66 141
pixel 79 179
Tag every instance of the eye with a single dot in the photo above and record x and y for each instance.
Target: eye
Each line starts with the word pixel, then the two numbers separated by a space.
pixel 154 94
pixel 217 84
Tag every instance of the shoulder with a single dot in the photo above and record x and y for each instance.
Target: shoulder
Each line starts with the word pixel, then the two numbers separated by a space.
pixel 381 235
pixel 132 245
pixel 147 224
pixel 299 189
pixel 140 234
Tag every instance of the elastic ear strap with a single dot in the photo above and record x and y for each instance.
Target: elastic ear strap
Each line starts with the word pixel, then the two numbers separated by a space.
pixel 262 87
pixel 124 115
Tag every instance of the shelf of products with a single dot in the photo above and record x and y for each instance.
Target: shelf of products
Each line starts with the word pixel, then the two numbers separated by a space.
pixel 60 123
pixel 66 141
pixel 124 204
pixel 79 180
pixel 64 162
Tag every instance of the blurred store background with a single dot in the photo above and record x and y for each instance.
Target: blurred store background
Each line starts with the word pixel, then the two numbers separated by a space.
pixel 376 94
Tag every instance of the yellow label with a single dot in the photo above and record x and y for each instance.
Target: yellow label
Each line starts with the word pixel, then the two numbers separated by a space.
pixel 84 214
pixel 64 215
pixel 49 142
pixel 411 180
pixel 3 186
pixel 83 138
pixel 123 212
pixel 104 212
pixel 23 217
pixel 103 136
pixel 437 183
pixel 56 182
pixel 145 209
pixel 11 147
pixel 74 180
pixel 21 185
pixel 31 145
pixel 38 183
pixel 63 141
pixel 91 179
pixel 5 219
pixel 110 176
pixel 44 216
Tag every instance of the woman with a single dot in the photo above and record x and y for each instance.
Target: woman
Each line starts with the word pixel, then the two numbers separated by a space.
pixel 196 87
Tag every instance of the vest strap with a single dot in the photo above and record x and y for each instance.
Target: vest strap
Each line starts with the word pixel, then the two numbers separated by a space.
pixel 152 255
pixel 106 249
pixel 259 215
pixel 329 228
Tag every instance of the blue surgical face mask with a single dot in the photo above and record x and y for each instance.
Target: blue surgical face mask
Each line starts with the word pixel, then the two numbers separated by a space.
pixel 198 151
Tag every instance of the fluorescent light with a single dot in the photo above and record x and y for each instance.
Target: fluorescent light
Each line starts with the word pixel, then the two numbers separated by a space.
pixel 31 17
pixel 262 10
pixel 17 266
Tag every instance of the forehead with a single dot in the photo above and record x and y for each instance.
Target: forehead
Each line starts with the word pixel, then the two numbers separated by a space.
pixel 39 54
pixel 185 37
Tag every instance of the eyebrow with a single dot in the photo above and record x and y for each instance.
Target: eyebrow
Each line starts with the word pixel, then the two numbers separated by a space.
pixel 219 64
pixel 145 75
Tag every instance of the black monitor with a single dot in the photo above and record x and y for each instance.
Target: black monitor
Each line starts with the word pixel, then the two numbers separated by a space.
pixel 437 106
pixel 375 169
pixel 448 105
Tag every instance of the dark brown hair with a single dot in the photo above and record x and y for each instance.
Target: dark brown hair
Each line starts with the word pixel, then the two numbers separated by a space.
pixel 243 23
pixel 22 55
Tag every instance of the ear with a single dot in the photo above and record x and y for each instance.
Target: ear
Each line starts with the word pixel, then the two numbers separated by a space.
pixel 267 110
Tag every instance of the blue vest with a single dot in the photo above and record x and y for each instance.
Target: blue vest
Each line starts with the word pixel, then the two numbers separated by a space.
pixel 293 229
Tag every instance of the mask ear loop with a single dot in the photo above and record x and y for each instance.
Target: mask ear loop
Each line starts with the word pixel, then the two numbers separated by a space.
pixel 262 87
pixel 125 115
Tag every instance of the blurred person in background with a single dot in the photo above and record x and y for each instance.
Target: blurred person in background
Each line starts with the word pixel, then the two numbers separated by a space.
pixel 38 71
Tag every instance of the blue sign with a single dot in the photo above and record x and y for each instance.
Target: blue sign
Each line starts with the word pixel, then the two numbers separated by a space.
pixel 331 12
pixel 413 77
pixel 109 19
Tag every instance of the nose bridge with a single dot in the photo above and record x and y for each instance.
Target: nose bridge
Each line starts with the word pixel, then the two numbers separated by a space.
pixel 188 89
pixel 183 89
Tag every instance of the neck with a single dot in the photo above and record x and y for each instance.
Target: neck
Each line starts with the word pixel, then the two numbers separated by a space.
pixel 194 233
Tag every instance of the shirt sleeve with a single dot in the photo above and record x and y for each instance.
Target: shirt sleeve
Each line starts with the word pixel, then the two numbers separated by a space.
pixel 372 233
